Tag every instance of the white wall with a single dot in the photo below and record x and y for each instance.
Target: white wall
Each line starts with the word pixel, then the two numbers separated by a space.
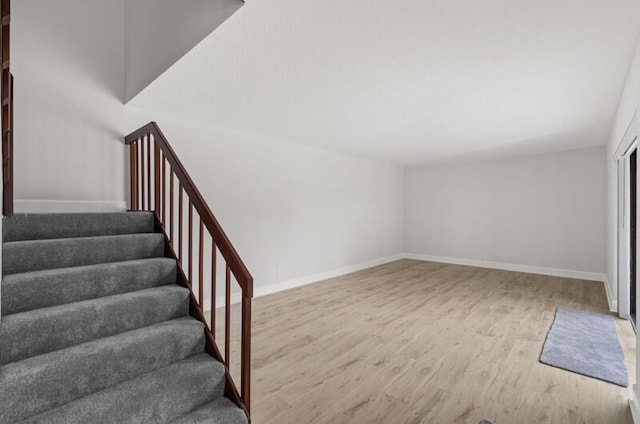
pixel 291 211
pixel 68 58
pixel 544 211
pixel 68 62
pixel 159 32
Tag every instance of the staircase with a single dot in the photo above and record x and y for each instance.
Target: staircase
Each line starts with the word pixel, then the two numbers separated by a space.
pixel 95 328
pixel 103 314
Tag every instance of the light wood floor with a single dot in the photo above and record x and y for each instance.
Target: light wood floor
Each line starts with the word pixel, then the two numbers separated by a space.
pixel 419 342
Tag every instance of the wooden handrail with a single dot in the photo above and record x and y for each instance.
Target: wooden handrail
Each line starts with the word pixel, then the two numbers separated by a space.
pixel 152 161
pixel 223 243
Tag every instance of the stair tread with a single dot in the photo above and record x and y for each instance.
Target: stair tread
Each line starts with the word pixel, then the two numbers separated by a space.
pixel 65 225
pixel 36 255
pixel 52 287
pixel 220 411
pixel 154 398
pixel 43 382
pixel 44 330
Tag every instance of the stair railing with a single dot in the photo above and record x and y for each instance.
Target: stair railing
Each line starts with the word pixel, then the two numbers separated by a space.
pixel 6 96
pixel 160 183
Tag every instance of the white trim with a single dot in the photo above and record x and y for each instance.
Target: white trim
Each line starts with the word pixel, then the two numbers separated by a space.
pixel 315 278
pixel 624 243
pixel 613 304
pixel 260 291
pixel 635 405
pixel 62 206
pixel 310 279
pixel 628 138
pixel 565 273
pixel 620 278
pixel 628 145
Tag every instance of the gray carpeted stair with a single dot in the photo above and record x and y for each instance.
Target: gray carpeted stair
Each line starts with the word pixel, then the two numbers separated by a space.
pixel 35 255
pixel 30 382
pixel 68 325
pixel 157 397
pixel 41 289
pixel 69 225
pixel 94 328
pixel 219 411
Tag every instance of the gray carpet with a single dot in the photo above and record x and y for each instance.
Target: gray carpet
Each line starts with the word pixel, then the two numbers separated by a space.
pixel 586 343
pixel 95 329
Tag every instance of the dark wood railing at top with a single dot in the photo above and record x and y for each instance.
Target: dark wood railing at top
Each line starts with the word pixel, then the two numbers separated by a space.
pixel 159 183
pixel 6 96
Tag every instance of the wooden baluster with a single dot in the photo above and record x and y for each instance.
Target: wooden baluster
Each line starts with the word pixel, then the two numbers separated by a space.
pixel 131 177
pixel 180 207
pixel 142 173
pixel 227 320
pixel 134 175
pixel 191 244
pixel 156 176
pixel 149 202
pixel 200 265
pixel 214 258
pixel 9 183
pixel 7 149
pixel 6 107
pixel 138 175
pixel 171 205
pixel 245 370
pixel 164 189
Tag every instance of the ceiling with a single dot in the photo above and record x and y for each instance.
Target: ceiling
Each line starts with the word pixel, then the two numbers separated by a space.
pixel 413 81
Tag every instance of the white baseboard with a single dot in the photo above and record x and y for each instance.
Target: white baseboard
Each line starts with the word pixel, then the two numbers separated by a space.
pixel 634 404
pixel 63 206
pixel 565 273
pixel 613 304
pixel 310 279
pixel 303 281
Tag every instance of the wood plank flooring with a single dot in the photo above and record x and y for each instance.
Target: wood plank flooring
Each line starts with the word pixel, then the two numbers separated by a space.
pixel 419 342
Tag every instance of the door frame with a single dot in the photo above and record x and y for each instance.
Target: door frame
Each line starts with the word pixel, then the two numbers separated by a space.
pixel 627 145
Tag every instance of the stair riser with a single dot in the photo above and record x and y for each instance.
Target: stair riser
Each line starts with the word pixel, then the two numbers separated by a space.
pixel 45 330
pixel 54 226
pixel 26 256
pixel 44 382
pixel 155 398
pixel 43 289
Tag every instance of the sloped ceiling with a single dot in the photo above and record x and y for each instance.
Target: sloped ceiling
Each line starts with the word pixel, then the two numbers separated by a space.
pixel 159 32
pixel 412 81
